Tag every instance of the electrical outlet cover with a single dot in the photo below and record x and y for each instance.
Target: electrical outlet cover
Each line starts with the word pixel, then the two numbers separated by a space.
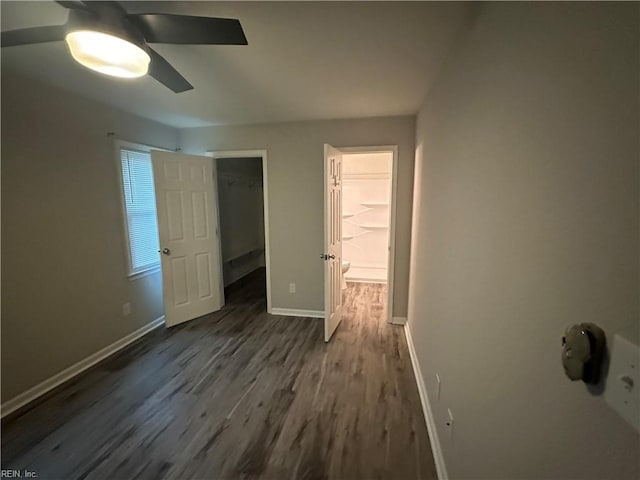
pixel 622 391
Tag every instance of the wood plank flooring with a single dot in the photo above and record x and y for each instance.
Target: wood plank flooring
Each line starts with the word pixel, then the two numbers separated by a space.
pixel 238 394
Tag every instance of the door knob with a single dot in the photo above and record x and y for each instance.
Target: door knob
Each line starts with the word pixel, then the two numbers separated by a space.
pixel 166 251
pixel 331 257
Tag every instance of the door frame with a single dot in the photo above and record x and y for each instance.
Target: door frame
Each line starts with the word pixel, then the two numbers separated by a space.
pixel 218 154
pixel 391 260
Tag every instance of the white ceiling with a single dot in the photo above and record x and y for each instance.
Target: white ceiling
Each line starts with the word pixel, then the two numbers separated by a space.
pixel 304 61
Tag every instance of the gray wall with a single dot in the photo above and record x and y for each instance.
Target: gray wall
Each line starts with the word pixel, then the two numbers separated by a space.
pixel 63 252
pixel 526 221
pixel 295 184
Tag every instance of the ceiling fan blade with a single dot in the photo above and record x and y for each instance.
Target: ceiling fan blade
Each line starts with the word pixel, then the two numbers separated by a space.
pixel 73 5
pixel 162 71
pixel 188 30
pixel 27 36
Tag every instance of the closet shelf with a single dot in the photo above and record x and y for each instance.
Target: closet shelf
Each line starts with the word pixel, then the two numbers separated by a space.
pixel 244 254
pixel 346 238
pixel 374 226
pixel 353 214
pixel 375 204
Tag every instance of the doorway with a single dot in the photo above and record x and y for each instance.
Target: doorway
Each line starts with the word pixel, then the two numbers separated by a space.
pixel 360 197
pixel 243 218
pixel 241 213
pixel 366 197
pixel 368 217
pixel 188 212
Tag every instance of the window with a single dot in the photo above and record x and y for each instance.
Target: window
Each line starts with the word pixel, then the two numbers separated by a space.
pixel 140 208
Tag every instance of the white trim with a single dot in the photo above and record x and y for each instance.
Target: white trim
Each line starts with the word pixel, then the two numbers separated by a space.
pixel 216 194
pixel 392 233
pixel 215 154
pixel 292 312
pixel 399 320
pixel 49 384
pixel 436 448
pixel 391 258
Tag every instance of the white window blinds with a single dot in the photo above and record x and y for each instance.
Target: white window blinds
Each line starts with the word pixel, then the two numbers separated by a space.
pixel 140 207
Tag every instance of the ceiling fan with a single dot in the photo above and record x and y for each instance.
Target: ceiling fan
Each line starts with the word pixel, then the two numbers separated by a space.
pixel 102 36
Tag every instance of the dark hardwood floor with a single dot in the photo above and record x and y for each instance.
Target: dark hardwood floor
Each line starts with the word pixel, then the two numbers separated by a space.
pixel 238 394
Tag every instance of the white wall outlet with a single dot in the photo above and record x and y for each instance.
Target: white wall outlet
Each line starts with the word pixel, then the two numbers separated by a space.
pixel 450 424
pixel 126 309
pixel 438 385
pixel 622 391
pixel 292 288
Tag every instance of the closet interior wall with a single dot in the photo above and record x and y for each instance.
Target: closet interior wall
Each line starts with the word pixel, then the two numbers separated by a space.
pixel 241 216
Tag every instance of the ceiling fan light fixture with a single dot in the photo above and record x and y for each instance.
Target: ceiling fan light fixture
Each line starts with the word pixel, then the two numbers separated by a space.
pixel 108 54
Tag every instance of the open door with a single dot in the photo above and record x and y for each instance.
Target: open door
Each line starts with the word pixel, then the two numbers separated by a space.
pixel 332 240
pixel 188 231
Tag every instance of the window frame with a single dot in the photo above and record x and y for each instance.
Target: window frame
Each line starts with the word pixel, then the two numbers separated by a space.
pixel 132 274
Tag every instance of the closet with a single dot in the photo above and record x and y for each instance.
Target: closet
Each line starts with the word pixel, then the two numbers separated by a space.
pixel 366 193
pixel 241 216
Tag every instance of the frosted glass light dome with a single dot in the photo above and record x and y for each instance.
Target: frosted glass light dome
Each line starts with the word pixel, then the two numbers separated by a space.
pixel 108 54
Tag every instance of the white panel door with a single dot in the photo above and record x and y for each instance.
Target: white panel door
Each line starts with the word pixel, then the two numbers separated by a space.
pixel 332 240
pixel 187 208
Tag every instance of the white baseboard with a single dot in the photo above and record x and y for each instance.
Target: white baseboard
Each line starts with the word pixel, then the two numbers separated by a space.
pixel 398 320
pixel 59 378
pixel 292 312
pixel 436 449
